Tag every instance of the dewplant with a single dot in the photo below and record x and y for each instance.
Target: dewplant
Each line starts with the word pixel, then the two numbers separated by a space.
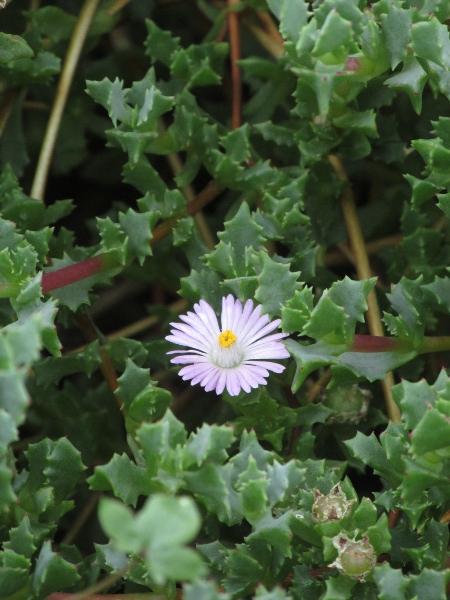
pixel 224 299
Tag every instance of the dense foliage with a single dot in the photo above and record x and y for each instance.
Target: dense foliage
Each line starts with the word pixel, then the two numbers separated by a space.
pixel 155 153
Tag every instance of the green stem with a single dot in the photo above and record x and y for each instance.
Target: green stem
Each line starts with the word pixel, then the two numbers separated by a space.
pixel 434 344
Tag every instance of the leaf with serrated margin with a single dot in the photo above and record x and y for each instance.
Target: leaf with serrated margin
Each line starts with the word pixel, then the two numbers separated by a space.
pixel 335 32
pixel 52 369
pixel 276 283
pixel 37 69
pixel 254 499
pixel 338 587
pixel 13 47
pixel 160 531
pixel 391 583
pixel 292 14
pixel 230 255
pixel 54 464
pixel 132 381
pixel 14 398
pixel 429 585
pixel 222 260
pixel 7 496
pixel 237 144
pixel 204 285
pixel 203 590
pixel 110 95
pixel 199 65
pixel 419 475
pixel 413 397
pixel 21 539
pixel 275 531
pixel 351 295
pixel 150 104
pixel 14 575
pixel 322 82
pixel 275 133
pixel 396 29
pixel 441 129
pixel 242 288
pixel 368 365
pixel 309 358
pixel 243 572
pixel 208 443
pixel 430 41
pixel 363 122
pixel 164 202
pixel 138 229
pixel 183 231
pixel 159 440
pixel 123 477
pixel 209 487
pixel 369 450
pixel 284 480
pixel 379 535
pixel 149 405
pixel 432 421
pixel 440 291
pixel 412 80
pixel 242 232
pixel 52 573
pixel 444 203
pixel 8 430
pixel 327 321
pixel 297 311
pixel 407 299
pixel 160 44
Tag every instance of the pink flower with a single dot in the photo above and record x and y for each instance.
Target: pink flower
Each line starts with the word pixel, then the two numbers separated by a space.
pixel 233 356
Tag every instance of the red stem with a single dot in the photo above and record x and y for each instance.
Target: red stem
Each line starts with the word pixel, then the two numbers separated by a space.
pixel 372 343
pixel 54 280
pixel 69 596
pixel 235 51
pixel 73 273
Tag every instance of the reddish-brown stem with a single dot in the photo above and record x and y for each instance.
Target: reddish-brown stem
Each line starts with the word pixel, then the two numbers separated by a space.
pixel 66 596
pixel 147 596
pixel 373 343
pixel 59 278
pixel 393 517
pixel 235 51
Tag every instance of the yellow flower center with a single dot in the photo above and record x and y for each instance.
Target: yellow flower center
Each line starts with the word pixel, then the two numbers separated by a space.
pixel 226 338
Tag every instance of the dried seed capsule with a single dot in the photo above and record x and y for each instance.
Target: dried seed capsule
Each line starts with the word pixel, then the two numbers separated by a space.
pixel 356 557
pixel 332 507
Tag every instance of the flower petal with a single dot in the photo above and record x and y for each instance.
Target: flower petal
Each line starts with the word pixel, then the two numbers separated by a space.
pixel 270 366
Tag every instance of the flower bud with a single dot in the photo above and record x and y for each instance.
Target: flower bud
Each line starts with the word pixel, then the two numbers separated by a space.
pixel 332 507
pixel 349 404
pixel 356 557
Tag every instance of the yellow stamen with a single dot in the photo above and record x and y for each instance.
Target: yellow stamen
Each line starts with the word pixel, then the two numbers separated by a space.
pixel 226 338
